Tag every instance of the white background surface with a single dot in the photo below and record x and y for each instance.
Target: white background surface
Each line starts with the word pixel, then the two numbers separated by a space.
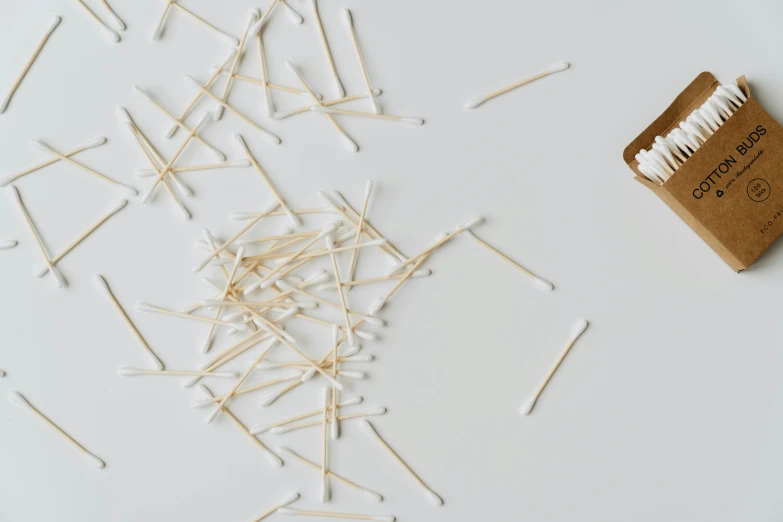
pixel 667 409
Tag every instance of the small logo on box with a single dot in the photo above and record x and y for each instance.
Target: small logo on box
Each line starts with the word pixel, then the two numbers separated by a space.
pixel 759 190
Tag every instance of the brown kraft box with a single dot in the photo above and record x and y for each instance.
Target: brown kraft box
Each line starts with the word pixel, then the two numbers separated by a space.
pixel 730 191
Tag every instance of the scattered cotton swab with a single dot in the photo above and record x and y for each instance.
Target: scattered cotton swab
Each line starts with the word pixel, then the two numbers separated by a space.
pixel 376 106
pixel 554 68
pixel 538 282
pixel 338 86
pixel 55 22
pixel 108 32
pixel 431 495
pixel 55 273
pixel 95 142
pixel 17 398
pixel 252 18
pixel 173 3
pixel 288 499
pixel 577 330
pixel 117 20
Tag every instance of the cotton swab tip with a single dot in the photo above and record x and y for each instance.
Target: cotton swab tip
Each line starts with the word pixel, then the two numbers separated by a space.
pixel 378 410
pixel 110 34
pixel 579 327
pixel 526 407
pixel 473 222
pixel 287 511
pixel 96 461
pixel 434 499
pixel 326 490
pixel 4 105
pixel 145 307
pixel 376 306
pixel 39 145
pixel 95 142
pixel 15 396
pixel 347 16
pixel 99 279
pixel 558 66
pixel 292 497
pixel 475 102
pixel 384 518
pixel 127 371
pixel 288 452
pixel 413 121
pixel 55 22
pixel 269 399
pixel 543 284
pixel 123 115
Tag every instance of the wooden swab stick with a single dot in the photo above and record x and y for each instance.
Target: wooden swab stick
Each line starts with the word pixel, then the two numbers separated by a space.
pixel 232 39
pixel 578 329
pixel 147 173
pixel 293 497
pixel 252 19
pixel 347 140
pixel 199 267
pixel 376 106
pixel 269 105
pixel 95 142
pixel 283 88
pixel 274 459
pixel 554 68
pixel 230 57
pixel 329 514
pixel 56 273
pixel 337 83
pixel 243 145
pixel 146 307
pixel 326 491
pixel 272 137
pixel 381 301
pixel 377 410
pixel 45 148
pixel 102 283
pixel 380 279
pixel 359 227
pixel 17 398
pixel 239 382
pixel 262 428
pixel 82 237
pixel 30 61
pixel 219 155
pixel 332 110
pixel 291 453
pixel 538 282
pixel 127 371
pixel 323 251
pixel 431 495
pixel 294 375
pixel 340 292
pixel 158 32
pixel 113 15
pixel 110 33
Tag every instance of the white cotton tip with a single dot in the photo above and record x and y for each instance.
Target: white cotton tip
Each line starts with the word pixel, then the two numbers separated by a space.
pixel 269 107
pixel 123 115
pixel 424 272
pixel 145 307
pixel 526 407
pixel 377 242
pixel 208 342
pixel 373 321
pixel 55 22
pixel 287 511
pixel 8 243
pixel 378 410
pixel 190 381
pixel 377 305
pixel 16 397
pixel 335 429
pixel 282 115
pixel 353 401
pixel 110 34
pixel 127 371
pixel 4 105
pixel 327 286
pixel 203 403
pixel 96 142
pixel 475 102
pixel 98 463
pixel 367 336
pixel 306 376
pixel 307 305
pixel 58 278
pixel 356 376
pixel 326 490
pixel 239 216
pixel 213 414
pixel 128 189
pixel 285 286
pixel 347 16
pixel 351 145
pixel 473 222
pixel 384 518
pixel 351 350
pixel 290 498
pixel 2 374
pixel 239 163
pixel 412 121
pixel 279 430
pixel 372 495
pixel 255 430
pixel 558 66
pixel 141 91
pixel 240 141
pixel 361 358
pixel 269 399
pixel 117 21
pixel 321 109
pixel 434 499
pixel 542 284
pixel 338 87
pixel 273 459
pixel 39 145
pixel 331 200
pixel 377 109
pixel 101 282
pixel 288 452
pixel 157 33
pixel 579 327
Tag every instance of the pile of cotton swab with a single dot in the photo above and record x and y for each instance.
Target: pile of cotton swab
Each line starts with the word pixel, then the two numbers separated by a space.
pixel 669 152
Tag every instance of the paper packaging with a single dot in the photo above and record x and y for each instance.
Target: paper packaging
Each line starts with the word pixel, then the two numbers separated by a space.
pixel 730 191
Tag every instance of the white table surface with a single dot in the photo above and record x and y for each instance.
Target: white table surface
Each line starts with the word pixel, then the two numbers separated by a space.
pixel 668 408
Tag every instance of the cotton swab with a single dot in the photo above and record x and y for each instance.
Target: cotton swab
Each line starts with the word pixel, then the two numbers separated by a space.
pixel 229 284
pixel 376 106
pixel 17 398
pixel 117 20
pixel 146 307
pixel 102 283
pixel 127 371
pixel 252 18
pixel 158 32
pixel 272 137
pixel 30 61
pixel 348 330
pixel 229 58
pixel 577 330
pixel 219 155
pixel 330 60
pixel 329 514
pixel 326 491
pixel 233 40
pixel 95 142
pixel 372 412
pixel 82 237
pixel 294 375
pixel 148 173
pixel 283 88
pixel 538 282
pixel 289 499
pixel 55 273
pixel 359 227
pixel 431 495
pixel 110 33
pixel 274 459
pixel 262 428
pixel 330 103
pixel 269 105
pixel 331 110
pixel 45 148
pixel 243 145
pixel 287 287
pixel 292 14
pixel 347 140
pixel 8 243
pixel 369 493
pixel 554 68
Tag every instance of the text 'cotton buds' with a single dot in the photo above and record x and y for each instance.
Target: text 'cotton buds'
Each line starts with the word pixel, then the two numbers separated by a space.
pixel 552 69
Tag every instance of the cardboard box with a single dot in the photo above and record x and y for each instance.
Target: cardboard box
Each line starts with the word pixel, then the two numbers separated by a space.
pixel 730 191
